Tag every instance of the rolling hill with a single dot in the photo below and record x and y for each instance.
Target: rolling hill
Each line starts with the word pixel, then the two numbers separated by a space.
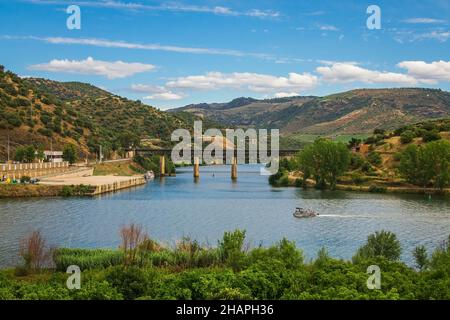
pixel 352 112
pixel 45 112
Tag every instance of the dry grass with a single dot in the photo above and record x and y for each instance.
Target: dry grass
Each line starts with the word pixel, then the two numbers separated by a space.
pixel 34 251
pixel 132 238
pixel 116 169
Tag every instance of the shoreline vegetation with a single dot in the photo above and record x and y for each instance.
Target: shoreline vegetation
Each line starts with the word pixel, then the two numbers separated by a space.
pixel 412 159
pixel 144 269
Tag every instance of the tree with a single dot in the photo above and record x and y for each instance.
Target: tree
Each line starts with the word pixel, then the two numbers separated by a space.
pixel 374 158
pixel 428 136
pixel 380 244
pixel 427 164
pixel 325 160
pixel 421 257
pixel 128 140
pixel 70 153
pixel 25 154
pixel 407 136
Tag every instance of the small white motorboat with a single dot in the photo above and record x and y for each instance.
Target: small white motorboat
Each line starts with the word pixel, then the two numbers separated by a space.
pixel 305 213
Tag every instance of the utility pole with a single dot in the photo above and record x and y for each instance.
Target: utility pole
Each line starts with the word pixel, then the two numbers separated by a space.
pixel 8 147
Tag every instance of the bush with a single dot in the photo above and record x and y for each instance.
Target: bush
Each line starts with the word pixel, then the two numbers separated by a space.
pixel 407 136
pixel 374 158
pixel 377 189
pixel 428 136
pixel 25 179
pixel 357 178
pixel 131 282
pixel 86 259
pixel 380 244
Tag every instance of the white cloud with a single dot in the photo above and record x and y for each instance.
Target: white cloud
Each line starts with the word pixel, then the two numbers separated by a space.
pixel 285 94
pixel 89 66
pixel 247 81
pixel 346 72
pixel 170 7
pixel 165 96
pixel 328 28
pixel 156 92
pixel 441 36
pixel 137 46
pixel 427 72
pixel 412 36
pixel 424 20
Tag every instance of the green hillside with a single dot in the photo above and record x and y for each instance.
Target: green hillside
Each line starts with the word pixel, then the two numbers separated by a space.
pixel 45 112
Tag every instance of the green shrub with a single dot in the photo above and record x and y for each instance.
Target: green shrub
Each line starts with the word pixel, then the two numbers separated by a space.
pixel 428 136
pixel 86 259
pixel 377 189
pixel 407 136
pixel 131 282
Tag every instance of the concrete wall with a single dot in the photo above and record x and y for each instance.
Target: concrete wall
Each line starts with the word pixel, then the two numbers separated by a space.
pixel 111 187
pixel 33 170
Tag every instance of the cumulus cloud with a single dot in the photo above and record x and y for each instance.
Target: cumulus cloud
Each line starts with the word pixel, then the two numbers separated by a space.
pixel 346 72
pixel 285 94
pixel 427 72
pixel 251 81
pixel 156 92
pixel 169 95
pixel 90 66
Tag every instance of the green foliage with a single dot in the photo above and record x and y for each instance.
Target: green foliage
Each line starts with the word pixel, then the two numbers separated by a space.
pixel 374 158
pixel 275 272
pixel 76 190
pixel 25 154
pixel 325 161
pixel 381 244
pixel 231 248
pixel 377 189
pixel 407 136
pixel 428 164
pixel 131 282
pixel 421 257
pixel 432 135
pixel 86 259
pixel 70 153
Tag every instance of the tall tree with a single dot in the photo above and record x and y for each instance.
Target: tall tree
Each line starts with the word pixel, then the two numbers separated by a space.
pixel 325 160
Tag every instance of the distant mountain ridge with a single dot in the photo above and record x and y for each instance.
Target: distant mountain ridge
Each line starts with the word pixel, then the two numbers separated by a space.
pixel 355 111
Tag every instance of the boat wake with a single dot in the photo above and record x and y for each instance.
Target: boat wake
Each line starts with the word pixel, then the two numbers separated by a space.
pixel 340 216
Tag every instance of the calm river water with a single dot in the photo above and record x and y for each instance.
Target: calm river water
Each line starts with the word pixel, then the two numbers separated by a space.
pixel 175 207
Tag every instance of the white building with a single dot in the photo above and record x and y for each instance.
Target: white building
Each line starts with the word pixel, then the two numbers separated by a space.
pixel 53 156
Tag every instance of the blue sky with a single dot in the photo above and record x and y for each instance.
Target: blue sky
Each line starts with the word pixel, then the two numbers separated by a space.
pixel 172 53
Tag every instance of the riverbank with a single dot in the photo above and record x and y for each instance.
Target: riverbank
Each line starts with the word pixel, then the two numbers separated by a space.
pixel 149 270
pixel 79 182
pixel 371 186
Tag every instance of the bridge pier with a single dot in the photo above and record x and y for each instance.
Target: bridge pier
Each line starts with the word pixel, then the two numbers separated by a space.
pixel 162 166
pixel 196 167
pixel 234 174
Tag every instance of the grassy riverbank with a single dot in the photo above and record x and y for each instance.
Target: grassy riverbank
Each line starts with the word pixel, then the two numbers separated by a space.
pixel 150 270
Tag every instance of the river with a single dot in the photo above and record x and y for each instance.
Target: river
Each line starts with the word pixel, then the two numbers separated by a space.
pixel 177 206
